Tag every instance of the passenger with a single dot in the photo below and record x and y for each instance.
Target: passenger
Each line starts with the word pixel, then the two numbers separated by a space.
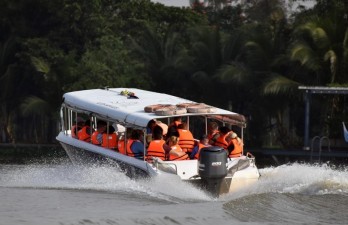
pixel 84 134
pixel 235 145
pixel 150 126
pixel 121 141
pixel 221 140
pixel 149 130
pixel 186 140
pixel 135 147
pixel 203 143
pixel 109 138
pixel 97 136
pixel 163 126
pixel 176 122
pixel 120 144
pixel 79 123
pixel 213 132
pixel 176 153
pixel 157 147
pixel 172 131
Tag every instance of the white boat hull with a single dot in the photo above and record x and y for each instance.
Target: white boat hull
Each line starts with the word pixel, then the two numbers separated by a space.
pixel 241 171
pixel 83 153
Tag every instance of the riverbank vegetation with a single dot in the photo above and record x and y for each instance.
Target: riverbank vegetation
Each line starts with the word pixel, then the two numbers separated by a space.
pixel 248 58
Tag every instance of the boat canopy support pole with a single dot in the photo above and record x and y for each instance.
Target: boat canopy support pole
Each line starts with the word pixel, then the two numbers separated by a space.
pixel 307 97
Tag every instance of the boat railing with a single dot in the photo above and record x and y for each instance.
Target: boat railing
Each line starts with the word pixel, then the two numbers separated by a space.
pixel 166 167
pixel 320 146
pixel 251 158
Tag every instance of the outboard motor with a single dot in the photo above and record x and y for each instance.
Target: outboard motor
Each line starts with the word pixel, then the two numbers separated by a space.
pixel 212 168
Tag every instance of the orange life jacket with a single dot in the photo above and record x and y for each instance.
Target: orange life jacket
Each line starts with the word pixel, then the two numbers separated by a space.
pixel 221 141
pixel 94 138
pixel 200 146
pixel 186 140
pixel 237 150
pixel 83 134
pixel 121 147
pixel 156 149
pixel 210 136
pixel 177 154
pixel 130 152
pixel 109 141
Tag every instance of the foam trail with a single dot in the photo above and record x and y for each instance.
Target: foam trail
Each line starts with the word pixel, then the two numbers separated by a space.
pixel 62 176
pixel 172 185
pixel 299 178
pixel 98 178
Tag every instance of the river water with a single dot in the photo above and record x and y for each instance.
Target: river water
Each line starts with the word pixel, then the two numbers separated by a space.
pixel 62 194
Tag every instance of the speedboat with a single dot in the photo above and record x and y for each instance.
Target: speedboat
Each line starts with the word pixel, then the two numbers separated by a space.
pixel 133 108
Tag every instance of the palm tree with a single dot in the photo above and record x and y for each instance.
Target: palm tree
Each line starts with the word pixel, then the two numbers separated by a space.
pixel 198 62
pixel 256 65
pixel 322 49
pixel 159 54
pixel 318 57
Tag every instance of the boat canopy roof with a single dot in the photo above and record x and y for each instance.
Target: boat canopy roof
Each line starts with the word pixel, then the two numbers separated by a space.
pixel 109 103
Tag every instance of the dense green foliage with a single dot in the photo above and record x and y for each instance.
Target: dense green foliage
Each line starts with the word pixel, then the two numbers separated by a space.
pixel 247 58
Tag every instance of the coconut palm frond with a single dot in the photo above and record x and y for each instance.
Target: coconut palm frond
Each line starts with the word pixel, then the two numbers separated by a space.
pixel 256 55
pixel 40 65
pixel 305 55
pixel 320 38
pixel 280 85
pixel 332 58
pixel 316 32
pixel 307 27
pixel 34 106
pixel 183 61
pixel 252 44
pixel 233 73
pixel 200 77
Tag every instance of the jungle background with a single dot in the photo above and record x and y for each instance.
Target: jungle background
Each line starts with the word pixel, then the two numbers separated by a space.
pixel 249 58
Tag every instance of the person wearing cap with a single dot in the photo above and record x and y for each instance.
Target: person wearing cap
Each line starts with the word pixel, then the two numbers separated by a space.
pixel 79 123
pixel 203 143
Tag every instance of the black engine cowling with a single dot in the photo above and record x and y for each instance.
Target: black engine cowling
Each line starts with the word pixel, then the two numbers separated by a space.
pixel 212 168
